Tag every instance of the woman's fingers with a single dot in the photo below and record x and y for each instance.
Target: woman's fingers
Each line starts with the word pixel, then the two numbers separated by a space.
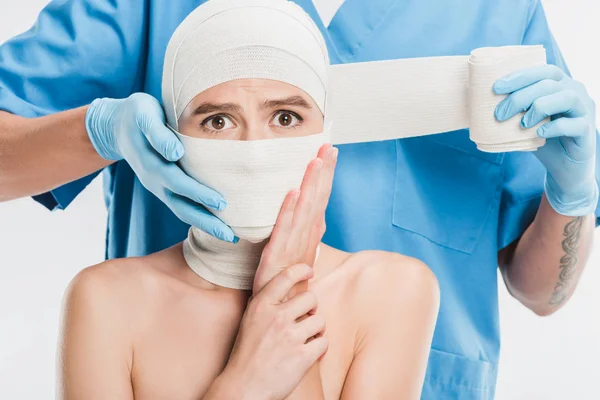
pixel 326 182
pixel 272 259
pixel 303 213
pixel 315 350
pixel 301 304
pixel 309 239
pixel 282 230
pixel 283 225
pixel 308 191
pixel 328 154
pixel 276 290
pixel 290 238
pixel 308 226
pixel 300 223
pixel 310 327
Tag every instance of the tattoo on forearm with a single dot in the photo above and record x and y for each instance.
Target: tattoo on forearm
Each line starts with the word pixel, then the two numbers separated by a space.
pixel 568 262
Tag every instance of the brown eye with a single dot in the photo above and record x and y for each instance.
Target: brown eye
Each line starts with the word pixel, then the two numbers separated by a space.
pixel 218 122
pixel 286 119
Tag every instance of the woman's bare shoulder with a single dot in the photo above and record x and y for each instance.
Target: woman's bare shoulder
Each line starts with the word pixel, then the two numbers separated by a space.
pixel 124 286
pixel 391 265
pixel 374 264
pixel 108 287
pixel 394 301
pixel 382 274
pixel 106 308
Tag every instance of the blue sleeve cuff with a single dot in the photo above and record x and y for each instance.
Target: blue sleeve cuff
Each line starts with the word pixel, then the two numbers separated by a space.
pixel 17 106
pixel 519 217
pixel 516 220
pixel 61 197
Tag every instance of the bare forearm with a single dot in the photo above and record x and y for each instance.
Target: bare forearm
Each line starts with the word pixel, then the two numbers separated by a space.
pixel 547 262
pixel 224 388
pixel 40 154
pixel 227 386
pixel 310 386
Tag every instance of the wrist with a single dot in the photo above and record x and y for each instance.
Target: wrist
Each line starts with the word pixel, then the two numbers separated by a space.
pixel 99 123
pixel 578 204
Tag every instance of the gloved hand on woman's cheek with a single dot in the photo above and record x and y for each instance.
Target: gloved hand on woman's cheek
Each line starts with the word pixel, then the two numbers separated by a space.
pixel 134 129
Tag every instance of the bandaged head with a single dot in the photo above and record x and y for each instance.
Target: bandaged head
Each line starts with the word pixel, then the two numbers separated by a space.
pixel 225 40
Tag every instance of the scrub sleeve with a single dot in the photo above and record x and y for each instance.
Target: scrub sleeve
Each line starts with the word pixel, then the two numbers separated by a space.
pixel 75 52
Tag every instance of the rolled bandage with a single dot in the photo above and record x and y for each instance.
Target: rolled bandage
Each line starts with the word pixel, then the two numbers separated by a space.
pixel 397 99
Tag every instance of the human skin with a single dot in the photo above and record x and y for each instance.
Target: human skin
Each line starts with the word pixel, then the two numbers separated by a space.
pixel 152 328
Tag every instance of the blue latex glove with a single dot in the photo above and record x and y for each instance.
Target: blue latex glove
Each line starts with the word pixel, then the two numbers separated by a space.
pixel 134 129
pixel 570 149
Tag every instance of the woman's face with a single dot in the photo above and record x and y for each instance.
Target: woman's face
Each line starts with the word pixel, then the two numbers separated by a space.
pixel 251 109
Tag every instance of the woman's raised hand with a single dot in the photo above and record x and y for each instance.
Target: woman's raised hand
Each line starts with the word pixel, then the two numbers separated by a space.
pixel 278 340
pixel 301 222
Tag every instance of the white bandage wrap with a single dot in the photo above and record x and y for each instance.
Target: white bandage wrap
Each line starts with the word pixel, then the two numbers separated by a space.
pixel 253 176
pixel 222 263
pixel 224 40
pixel 397 99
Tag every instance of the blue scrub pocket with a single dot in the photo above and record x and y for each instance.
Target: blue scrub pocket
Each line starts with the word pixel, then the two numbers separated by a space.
pixel 450 377
pixel 445 189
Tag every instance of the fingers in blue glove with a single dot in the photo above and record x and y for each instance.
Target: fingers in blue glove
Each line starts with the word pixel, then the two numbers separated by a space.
pixel 194 214
pixel 577 128
pixel 521 100
pixel 181 184
pixel 564 102
pixel 164 141
pixel 152 124
pixel 520 79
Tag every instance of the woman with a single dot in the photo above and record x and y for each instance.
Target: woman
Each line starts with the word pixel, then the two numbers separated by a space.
pixel 244 86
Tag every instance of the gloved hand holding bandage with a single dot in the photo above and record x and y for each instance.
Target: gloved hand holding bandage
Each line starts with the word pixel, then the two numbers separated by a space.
pixel 570 152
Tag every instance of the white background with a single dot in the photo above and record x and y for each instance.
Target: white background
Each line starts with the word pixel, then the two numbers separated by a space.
pixel 557 357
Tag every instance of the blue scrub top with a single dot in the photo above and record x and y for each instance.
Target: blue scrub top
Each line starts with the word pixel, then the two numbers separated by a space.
pixel 436 198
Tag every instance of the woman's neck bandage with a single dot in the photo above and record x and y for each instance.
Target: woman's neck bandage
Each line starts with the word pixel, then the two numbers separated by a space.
pixel 225 40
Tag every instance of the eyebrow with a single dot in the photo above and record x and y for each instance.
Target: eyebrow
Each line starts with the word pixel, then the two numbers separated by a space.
pixel 297 101
pixel 206 108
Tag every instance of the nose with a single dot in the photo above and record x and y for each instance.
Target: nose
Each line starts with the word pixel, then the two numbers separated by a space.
pixel 252 133
pixel 256 129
